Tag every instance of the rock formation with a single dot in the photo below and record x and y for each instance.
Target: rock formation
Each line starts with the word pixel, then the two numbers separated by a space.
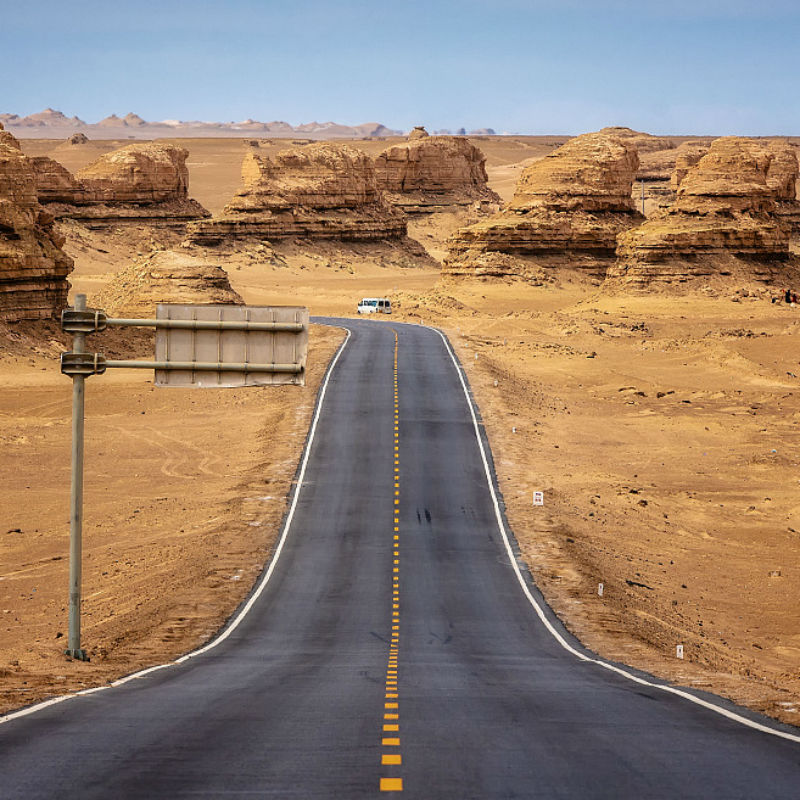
pixel 137 183
pixel 322 191
pixel 419 132
pixel 723 223
pixel 165 277
pixel 78 138
pixel 782 179
pixel 566 213
pixel 33 267
pixel 686 156
pixel 8 139
pixel 431 173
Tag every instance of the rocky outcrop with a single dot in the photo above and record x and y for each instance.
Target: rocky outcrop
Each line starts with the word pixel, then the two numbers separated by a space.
pixel 433 173
pixel 321 191
pixel 78 138
pixel 8 139
pixel 723 224
pixel 567 211
pixel 165 276
pixel 782 180
pixel 137 183
pixel 643 142
pixel 686 156
pixel 418 132
pixel 33 267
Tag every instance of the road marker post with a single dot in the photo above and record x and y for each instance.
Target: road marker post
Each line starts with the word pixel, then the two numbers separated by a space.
pixel 679 651
pixel 538 498
pixel 242 351
pixel 600 589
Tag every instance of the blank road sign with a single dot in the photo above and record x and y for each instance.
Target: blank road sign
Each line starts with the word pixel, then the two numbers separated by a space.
pixel 285 350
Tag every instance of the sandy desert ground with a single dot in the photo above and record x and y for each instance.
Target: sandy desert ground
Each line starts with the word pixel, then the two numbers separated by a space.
pixel 663 431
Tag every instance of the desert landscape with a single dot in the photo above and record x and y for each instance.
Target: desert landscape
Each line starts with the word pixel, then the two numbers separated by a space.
pixel 618 303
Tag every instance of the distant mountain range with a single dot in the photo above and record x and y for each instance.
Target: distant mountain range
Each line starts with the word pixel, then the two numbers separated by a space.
pixel 52 124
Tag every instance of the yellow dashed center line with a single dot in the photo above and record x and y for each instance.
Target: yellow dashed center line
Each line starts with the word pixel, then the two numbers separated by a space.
pixel 391 715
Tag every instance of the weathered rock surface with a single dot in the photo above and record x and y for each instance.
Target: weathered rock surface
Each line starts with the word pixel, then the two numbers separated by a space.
pixel 782 179
pixel 323 191
pixel 418 132
pixel 33 267
pixel 686 156
pixel 165 276
pixel 566 213
pixel 723 223
pixel 643 142
pixel 138 183
pixel 431 173
pixel 78 138
pixel 8 139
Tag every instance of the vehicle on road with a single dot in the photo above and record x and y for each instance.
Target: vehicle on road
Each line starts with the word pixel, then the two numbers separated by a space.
pixel 374 305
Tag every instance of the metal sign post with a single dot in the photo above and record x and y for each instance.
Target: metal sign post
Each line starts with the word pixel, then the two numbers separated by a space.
pixel 275 336
pixel 76 497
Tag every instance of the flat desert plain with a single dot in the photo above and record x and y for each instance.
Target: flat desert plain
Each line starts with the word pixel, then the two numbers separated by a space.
pixel 663 430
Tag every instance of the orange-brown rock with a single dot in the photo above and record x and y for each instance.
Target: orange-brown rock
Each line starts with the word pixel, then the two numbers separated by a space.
pixel 686 156
pixel 323 190
pixel 165 276
pixel 8 139
pixel 54 182
pixel 33 267
pixel 566 213
pixel 431 173
pixel 138 183
pixel 782 179
pixel 723 223
pixel 643 142
pixel 418 132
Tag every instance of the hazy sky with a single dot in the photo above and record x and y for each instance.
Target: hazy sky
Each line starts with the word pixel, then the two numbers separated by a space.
pixel 535 66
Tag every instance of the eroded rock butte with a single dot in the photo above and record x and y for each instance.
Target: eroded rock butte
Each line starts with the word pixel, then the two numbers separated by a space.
pixel 432 173
pixel 320 191
pixel 566 213
pixel 723 223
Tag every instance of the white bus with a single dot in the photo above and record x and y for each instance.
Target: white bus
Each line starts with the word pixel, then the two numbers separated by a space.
pixel 374 305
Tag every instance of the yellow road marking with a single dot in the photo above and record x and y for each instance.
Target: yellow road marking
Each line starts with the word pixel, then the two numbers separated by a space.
pixel 391 758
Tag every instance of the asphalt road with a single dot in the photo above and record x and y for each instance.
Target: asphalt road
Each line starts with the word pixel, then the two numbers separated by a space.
pixel 371 661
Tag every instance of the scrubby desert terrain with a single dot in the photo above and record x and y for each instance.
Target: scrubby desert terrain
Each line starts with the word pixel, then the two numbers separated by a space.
pixel 662 427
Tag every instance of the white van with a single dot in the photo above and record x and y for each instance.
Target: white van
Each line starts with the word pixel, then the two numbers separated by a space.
pixel 374 305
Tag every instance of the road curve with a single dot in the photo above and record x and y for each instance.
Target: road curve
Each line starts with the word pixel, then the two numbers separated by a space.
pixel 393 649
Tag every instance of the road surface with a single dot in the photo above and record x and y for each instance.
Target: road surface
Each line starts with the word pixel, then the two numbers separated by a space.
pixel 393 649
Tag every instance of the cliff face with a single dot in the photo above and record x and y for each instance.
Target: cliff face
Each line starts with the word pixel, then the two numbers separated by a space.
pixel 566 213
pixel 723 223
pixel 139 182
pixel 33 267
pixel 324 191
pixel 430 173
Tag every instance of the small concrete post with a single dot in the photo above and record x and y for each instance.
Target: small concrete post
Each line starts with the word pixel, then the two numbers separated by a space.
pixel 76 499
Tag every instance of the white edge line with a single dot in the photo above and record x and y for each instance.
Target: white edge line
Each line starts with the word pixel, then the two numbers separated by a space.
pixel 540 611
pixel 240 615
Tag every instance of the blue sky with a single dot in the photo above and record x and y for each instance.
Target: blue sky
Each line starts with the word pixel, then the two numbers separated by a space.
pixel 541 66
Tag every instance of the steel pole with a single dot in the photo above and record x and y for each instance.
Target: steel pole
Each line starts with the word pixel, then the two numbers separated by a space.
pixel 76 499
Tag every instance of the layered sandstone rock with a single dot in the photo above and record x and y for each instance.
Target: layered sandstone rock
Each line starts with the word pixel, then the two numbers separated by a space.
pixel 165 276
pixel 567 211
pixel 782 180
pixel 323 191
pixel 686 156
pixel 33 267
pixel 8 139
pixel 643 142
pixel 78 138
pixel 419 132
pixel 723 223
pixel 432 173
pixel 137 183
